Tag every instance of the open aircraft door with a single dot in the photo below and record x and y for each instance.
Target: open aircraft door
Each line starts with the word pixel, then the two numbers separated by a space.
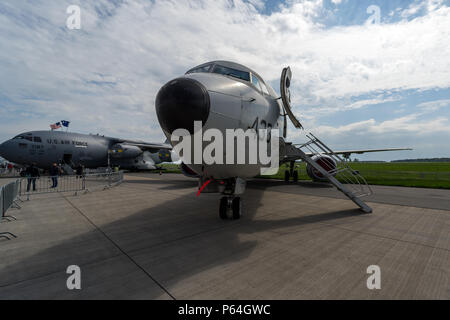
pixel 285 83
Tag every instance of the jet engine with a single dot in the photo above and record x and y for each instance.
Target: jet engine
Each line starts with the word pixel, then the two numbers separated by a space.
pixel 188 172
pixel 123 151
pixel 326 162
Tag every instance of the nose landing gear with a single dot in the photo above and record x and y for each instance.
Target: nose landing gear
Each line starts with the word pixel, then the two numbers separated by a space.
pixel 230 204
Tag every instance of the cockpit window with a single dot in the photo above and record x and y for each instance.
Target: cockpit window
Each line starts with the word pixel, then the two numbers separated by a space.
pixel 256 82
pixel 29 138
pixel 264 88
pixel 19 137
pixel 259 84
pixel 243 75
pixel 205 68
pixel 37 139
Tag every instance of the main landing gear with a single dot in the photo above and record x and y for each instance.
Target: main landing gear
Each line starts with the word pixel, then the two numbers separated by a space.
pixel 230 208
pixel 291 173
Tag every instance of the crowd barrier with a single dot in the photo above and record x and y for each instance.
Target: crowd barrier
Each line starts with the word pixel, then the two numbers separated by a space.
pixel 68 183
pixel 9 195
pixel 9 173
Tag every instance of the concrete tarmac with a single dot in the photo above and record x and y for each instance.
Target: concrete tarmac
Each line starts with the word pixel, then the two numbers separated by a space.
pixel 153 238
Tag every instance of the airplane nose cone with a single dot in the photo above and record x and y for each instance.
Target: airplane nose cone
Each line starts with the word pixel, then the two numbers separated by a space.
pixel 181 102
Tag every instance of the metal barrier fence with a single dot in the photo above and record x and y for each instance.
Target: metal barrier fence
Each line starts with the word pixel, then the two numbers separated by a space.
pixel 9 173
pixel 72 183
pixel 9 195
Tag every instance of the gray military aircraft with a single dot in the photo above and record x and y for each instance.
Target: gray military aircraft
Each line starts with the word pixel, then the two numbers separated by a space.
pixel 226 95
pixel 92 151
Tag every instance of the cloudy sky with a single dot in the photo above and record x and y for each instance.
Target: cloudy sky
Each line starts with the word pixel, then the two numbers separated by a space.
pixel 360 80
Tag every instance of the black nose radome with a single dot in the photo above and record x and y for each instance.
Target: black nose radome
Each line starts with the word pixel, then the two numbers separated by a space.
pixel 181 102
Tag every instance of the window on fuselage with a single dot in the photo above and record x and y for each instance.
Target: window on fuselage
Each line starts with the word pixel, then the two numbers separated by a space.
pixel 204 69
pixel 243 75
pixel 37 139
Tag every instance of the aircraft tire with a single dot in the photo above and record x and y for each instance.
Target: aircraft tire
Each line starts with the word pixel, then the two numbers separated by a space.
pixel 295 176
pixel 287 176
pixel 237 208
pixel 223 208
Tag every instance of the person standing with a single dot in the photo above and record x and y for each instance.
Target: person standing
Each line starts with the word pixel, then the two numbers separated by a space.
pixel 54 172
pixel 79 171
pixel 32 173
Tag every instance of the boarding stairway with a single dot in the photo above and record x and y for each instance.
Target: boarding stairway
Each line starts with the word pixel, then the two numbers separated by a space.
pixel 353 185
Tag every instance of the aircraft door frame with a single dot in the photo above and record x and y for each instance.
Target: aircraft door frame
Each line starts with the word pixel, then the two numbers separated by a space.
pixel 285 83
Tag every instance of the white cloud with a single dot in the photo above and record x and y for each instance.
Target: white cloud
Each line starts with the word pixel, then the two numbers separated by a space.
pixel 424 136
pixel 406 124
pixel 343 106
pixel 434 105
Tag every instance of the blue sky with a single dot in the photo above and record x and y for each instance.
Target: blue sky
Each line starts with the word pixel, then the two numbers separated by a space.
pixel 356 84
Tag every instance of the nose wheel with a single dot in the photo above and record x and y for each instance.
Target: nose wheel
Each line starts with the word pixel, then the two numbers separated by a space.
pixel 230 208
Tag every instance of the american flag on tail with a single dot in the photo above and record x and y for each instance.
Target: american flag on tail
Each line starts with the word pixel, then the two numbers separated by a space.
pixel 55 126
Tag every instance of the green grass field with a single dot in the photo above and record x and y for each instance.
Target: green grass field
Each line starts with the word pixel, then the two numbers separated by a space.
pixel 408 174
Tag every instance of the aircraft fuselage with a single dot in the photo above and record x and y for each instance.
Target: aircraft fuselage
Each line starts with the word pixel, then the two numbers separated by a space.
pixel 221 101
pixel 47 147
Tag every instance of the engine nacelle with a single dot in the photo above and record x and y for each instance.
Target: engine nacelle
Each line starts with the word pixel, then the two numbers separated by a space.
pixel 326 162
pixel 188 172
pixel 165 155
pixel 124 151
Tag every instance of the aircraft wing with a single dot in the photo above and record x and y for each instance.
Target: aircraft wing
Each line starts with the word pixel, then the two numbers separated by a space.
pixel 144 146
pixel 149 146
pixel 292 153
pixel 347 153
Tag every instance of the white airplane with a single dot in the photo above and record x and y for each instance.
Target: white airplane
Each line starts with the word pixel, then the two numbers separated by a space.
pixel 225 95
